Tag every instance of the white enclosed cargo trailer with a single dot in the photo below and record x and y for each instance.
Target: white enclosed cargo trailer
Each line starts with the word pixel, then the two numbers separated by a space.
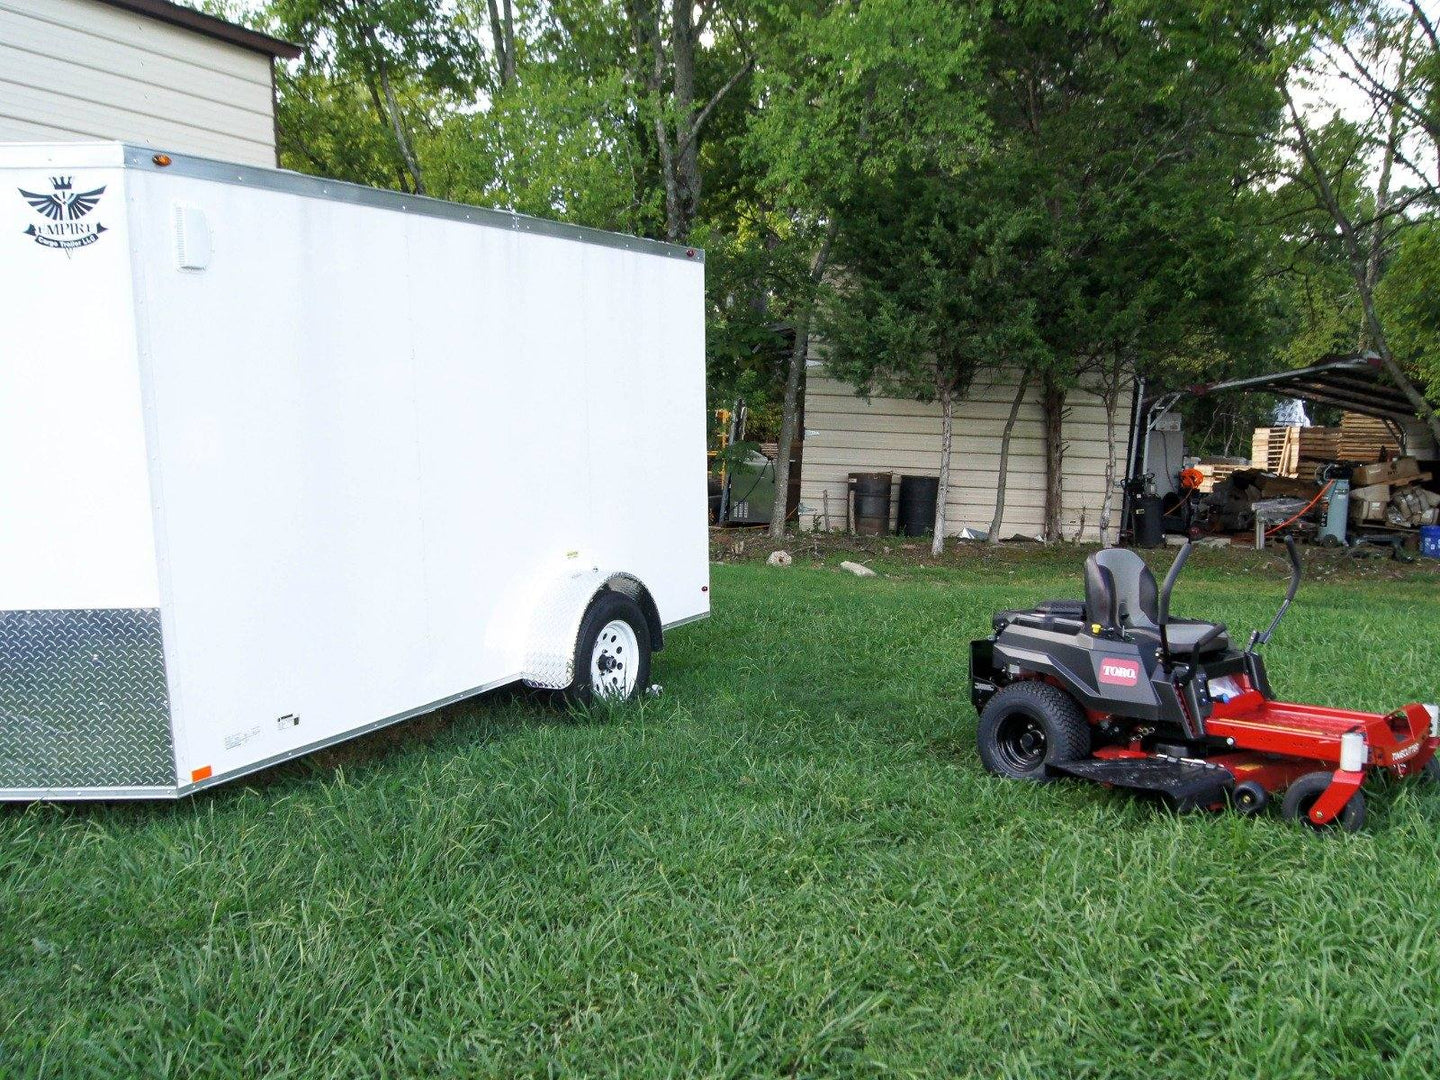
pixel 283 460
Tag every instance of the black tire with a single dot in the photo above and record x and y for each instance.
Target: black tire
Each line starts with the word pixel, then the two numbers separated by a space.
pixel 1431 770
pixel 1028 726
pixel 1249 798
pixel 606 608
pixel 1301 795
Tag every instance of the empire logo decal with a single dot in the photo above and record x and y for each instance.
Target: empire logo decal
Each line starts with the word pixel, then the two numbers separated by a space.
pixel 1119 672
pixel 64 208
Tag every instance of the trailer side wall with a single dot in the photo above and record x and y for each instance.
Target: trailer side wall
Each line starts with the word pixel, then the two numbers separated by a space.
pixel 382 435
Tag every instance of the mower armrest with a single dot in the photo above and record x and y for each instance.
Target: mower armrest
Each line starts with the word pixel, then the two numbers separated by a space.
pixel 1205 639
pixel 1036 620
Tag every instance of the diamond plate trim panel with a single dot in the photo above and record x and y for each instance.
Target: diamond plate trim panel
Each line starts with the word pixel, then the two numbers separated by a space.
pixel 550 649
pixel 83 700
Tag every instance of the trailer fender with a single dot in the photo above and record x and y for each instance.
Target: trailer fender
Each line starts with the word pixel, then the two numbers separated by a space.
pixel 555 623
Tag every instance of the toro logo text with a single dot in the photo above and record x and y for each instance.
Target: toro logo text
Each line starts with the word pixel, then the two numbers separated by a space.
pixel 1117 672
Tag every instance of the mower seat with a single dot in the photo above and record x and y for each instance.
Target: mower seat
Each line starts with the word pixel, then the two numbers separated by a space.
pixel 1139 607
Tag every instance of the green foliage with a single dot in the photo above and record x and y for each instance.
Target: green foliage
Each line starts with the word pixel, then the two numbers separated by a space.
pixel 1120 126
pixel 557 147
pixel 1409 298
pixel 931 286
pixel 853 91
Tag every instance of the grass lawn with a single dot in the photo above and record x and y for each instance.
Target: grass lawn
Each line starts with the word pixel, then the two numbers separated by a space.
pixel 790 864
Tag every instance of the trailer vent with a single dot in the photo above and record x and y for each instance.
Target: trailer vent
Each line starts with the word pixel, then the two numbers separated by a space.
pixel 192 238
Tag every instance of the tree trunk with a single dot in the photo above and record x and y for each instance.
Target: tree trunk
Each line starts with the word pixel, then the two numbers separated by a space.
pixel 942 493
pixel 397 125
pixel 1358 268
pixel 401 180
pixel 1052 405
pixel 687 149
pixel 1111 400
pixel 993 536
pixel 790 406
pixel 502 32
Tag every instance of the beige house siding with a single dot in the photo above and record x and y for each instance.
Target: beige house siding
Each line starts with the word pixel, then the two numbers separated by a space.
pixel 844 433
pixel 78 69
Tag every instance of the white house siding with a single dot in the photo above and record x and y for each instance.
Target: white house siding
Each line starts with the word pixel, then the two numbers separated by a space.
pixel 845 433
pixel 77 69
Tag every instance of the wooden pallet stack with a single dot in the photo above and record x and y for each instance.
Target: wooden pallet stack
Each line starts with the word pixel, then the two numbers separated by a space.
pixel 1294 451
pixel 1365 439
pixel 1275 450
pixel 1317 446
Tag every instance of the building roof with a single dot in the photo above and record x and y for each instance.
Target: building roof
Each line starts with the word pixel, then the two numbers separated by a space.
pixel 190 19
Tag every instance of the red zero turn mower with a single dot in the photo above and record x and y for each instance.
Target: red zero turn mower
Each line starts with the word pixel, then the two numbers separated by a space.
pixel 1115 690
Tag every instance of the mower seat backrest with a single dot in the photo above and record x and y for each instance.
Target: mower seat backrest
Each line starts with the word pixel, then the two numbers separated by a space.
pixel 1133 582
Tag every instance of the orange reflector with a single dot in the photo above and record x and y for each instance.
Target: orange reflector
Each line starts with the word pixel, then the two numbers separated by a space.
pixel 161 159
pixel 203 773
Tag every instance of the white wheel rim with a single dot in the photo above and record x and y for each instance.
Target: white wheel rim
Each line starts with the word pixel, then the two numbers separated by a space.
pixel 615 660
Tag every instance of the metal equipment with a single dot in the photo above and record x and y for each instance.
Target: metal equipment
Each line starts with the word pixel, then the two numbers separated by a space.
pixel 1115 690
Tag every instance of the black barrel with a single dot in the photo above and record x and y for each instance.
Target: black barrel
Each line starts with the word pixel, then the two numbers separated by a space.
pixel 917 504
pixel 870 502
pixel 1149 522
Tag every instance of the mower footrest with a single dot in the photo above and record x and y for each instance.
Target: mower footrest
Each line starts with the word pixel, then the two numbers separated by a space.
pixel 1183 781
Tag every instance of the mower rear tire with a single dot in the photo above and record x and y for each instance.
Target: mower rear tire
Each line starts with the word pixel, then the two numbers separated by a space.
pixel 1302 794
pixel 1431 770
pixel 1028 726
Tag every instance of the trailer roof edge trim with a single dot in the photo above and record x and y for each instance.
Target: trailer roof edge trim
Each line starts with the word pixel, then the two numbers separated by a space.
pixel 318 187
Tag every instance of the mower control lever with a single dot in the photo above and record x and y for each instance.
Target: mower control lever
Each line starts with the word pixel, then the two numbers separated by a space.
pixel 1165 590
pixel 1257 638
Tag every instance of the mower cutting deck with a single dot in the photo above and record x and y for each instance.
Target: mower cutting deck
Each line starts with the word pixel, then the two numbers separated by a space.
pixel 1114 690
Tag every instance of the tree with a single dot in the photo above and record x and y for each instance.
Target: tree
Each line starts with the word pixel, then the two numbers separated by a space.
pixel 666 40
pixel 927 297
pixel 382 43
pixel 1002 471
pixel 1392 55
pixel 1117 128
pixel 851 92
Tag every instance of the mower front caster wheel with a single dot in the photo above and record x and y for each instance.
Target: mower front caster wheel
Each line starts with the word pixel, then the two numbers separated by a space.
pixel 1028 726
pixel 1302 795
pixel 1249 798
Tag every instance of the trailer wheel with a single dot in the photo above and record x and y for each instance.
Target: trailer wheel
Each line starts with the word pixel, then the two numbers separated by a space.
pixel 1302 794
pixel 612 651
pixel 1029 725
